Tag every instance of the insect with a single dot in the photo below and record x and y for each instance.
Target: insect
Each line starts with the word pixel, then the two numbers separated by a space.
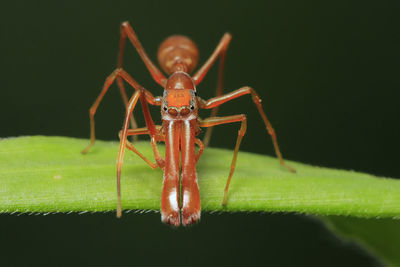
pixel 178 57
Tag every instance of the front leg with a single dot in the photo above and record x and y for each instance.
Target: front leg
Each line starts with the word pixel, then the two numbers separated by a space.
pixel 145 97
pixel 124 133
pixel 109 81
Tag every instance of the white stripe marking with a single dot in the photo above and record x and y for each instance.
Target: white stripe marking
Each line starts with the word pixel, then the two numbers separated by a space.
pixel 187 132
pixel 171 142
pixel 186 198
pixel 173 201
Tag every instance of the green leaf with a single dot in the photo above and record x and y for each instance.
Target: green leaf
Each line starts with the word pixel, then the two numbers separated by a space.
pixel 49 174
pixel 379 237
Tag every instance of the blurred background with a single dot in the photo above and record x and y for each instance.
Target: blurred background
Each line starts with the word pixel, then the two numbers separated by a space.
pixel 328 76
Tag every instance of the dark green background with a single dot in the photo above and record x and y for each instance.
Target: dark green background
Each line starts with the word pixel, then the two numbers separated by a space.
pixel 328 74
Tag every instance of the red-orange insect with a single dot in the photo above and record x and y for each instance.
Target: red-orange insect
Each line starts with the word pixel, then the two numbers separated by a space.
pixel 178 56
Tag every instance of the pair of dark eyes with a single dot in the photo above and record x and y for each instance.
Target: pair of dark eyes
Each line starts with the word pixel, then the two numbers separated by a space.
pixel 191 107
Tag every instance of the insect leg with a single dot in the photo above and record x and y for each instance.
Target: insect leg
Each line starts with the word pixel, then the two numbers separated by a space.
pixel 122 90
pixel 124 134
pixel 216 101
pixel 212 121
pixel 110 79
pixel 92 111
pixel 130 146
pixel 201 148
pixel 145 97
pixel 219 50
pixel 219 92
pixel 127 31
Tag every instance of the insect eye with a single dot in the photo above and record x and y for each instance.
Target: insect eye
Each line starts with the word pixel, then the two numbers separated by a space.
pixel 184 111
pixel 172 112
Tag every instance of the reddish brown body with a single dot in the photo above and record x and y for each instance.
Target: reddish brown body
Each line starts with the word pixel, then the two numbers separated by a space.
pixel 178 56
pixel 180 126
